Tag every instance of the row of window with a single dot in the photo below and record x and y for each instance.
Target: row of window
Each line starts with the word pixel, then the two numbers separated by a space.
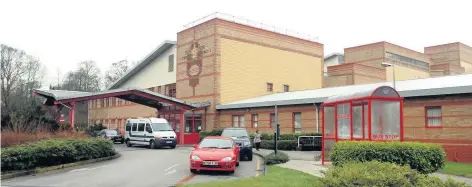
pixel 238 121
pixel 270 87
pixel 168 90
pixel 407 60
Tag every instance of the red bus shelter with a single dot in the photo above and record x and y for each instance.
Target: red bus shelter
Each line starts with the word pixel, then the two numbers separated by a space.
pixel 180 114
pixel 369 115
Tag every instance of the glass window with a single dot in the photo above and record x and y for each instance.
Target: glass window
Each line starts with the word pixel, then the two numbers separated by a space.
pixel 385 118
pixel 148 128
pixel 270 87
pixel 171 63
pixel 238 121
pixel 135 126
pixel 273 123
pixel 161 127
pixel 216 143
pixel 344 126
pixel 235 133
pixel 357 120
pixel 407 60
pixel 297 122
pixel 328 115
pixel 433 116
pixel 141 127
pixel 286 88
pixel 254 119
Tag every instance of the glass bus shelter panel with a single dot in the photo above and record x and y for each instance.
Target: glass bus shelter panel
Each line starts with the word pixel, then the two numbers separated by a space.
pixel 344 121
pixel 385 120
pixel 329 126
pixel 365 107
pixel 357 120
pixel 328 148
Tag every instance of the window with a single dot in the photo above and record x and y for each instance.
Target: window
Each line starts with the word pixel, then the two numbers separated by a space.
pixel 135 126
pixel 159 89
pixel 166 90
pixel 286 88
pixel 433 116
pixel 407 60
pixel 148 128
pixel 141 127
pixel 254 120
pixel 128 127
pixel 171 63
pixel 270 87
pixel 297 122
pixel 238 121
pixel 172 92
pixel 272 120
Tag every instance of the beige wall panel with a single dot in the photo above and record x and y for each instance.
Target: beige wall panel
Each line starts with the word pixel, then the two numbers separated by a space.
pixel 246 68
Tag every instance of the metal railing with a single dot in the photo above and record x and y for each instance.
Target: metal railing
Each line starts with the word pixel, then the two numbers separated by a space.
pixel 254 24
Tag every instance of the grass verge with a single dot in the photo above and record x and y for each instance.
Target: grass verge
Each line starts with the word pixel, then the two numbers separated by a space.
pixel 277 176
pixel 459 169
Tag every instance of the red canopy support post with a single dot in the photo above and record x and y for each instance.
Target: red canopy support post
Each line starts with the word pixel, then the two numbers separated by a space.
pixel 401 122
pixel 193 122
pixel 182 127
pixel 72 114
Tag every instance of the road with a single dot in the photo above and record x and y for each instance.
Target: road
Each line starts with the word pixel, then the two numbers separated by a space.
pixel 138 166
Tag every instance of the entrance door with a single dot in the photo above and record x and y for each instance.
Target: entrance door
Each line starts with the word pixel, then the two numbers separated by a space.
pixel 192 128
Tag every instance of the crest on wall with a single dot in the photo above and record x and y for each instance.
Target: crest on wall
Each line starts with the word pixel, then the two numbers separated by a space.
pixel 193 57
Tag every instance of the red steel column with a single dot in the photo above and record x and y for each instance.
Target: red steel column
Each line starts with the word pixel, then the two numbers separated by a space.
pixel 58 113
pixel 401 121
pixel 181 132
pixel 72 114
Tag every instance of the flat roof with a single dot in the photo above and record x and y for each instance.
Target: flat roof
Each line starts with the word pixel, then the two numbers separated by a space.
pixel 446 85
pixel 137 95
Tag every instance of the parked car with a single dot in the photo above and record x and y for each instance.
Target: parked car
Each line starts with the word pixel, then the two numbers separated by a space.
pixel 216 153
pixel 241 138
pixel 154 132
pixel 112 135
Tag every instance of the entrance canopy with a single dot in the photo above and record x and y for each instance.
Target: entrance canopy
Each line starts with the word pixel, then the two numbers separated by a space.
pixel 168 106
pixel 136 95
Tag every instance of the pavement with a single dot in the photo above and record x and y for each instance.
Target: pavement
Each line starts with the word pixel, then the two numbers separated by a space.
pixel 137 166
pixel 303 161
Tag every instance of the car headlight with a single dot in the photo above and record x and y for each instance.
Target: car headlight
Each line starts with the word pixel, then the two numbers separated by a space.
pixel 195 157
pixel 226 159
pixel 246 144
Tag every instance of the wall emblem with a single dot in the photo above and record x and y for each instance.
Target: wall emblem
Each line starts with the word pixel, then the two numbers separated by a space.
pixel 193 57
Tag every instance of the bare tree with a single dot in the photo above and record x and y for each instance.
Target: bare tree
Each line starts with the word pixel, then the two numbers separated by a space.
pixel 86 78
pixel 116 70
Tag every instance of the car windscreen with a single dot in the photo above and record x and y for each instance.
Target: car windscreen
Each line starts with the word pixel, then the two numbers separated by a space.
pixel 111 132
pixel 216 143
pixel 235 133
pixel 161 127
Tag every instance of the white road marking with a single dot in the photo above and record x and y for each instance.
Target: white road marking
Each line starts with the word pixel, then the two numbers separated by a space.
pixel 171 167
pixel 170 172
pixel 87 169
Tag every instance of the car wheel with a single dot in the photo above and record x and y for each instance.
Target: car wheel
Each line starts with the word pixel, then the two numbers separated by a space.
pixel 122 141
pixel 193 171
pixel 152 145
pixel 128 143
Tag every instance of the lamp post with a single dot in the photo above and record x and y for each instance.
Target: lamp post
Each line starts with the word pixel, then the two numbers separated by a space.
pixel 385 64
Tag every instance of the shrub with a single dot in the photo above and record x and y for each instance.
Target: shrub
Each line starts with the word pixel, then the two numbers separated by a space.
pixel 426 158
pixel 54 152
pixel 377 173
pixel 287 145
pixel 214 132
pixel 92 130
pixel 11 138
pixel 278 158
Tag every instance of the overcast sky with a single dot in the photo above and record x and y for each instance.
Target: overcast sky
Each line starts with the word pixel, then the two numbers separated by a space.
pixel 61 33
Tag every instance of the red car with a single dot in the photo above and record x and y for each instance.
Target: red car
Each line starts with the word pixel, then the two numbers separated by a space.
pixel 216 153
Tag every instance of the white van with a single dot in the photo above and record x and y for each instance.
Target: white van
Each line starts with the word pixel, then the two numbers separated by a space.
pixel 154 132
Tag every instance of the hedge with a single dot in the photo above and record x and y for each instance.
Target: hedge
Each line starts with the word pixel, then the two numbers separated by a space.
pixel 377 173
pixel 278 158
pixel 54 152
pixel 424 157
